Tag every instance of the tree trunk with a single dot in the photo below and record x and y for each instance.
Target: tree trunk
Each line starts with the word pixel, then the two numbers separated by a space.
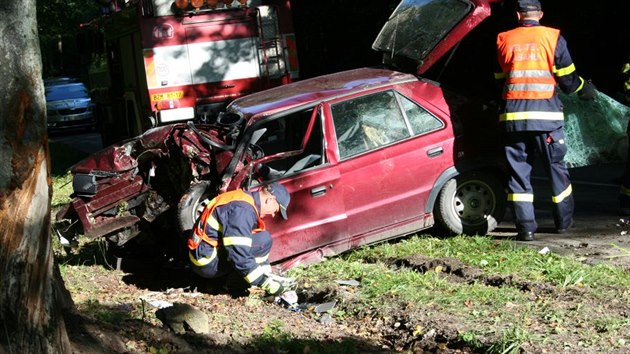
pixel 30 316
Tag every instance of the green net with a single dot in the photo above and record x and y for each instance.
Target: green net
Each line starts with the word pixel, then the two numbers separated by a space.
pixel 595 130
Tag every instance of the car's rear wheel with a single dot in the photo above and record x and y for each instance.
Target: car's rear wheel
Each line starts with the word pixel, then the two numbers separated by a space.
pixel 472 203
pixel 191 205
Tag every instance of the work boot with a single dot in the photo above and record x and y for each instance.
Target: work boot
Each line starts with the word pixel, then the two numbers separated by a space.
pixel 562 230
pixel 525 236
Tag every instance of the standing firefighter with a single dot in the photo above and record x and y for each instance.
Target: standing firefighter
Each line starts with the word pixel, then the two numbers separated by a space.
pixel 624 193
pixel 230 237
pixel 534 59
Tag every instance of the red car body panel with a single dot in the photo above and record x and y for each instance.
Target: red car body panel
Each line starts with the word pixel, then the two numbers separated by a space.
pixel 369 197
pixel 481 12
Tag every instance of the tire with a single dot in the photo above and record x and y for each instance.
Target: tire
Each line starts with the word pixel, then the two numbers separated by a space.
pixel 191 206
pixel 472 203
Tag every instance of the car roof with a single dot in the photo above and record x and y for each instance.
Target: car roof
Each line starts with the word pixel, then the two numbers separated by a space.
pixel 317 89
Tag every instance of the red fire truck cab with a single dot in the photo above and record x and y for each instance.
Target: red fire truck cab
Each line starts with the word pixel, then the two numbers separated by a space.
pixel 179 60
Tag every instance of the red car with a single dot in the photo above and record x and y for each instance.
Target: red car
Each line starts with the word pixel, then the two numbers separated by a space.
pixel 367 154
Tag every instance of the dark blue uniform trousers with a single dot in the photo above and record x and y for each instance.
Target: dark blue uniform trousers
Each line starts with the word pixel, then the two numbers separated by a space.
pixel 521 148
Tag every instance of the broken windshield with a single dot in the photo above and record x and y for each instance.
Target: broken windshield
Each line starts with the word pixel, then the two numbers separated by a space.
pixel 417 26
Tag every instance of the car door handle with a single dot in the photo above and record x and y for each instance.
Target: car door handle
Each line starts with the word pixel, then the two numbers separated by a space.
pixel 435 152
pixel 318 191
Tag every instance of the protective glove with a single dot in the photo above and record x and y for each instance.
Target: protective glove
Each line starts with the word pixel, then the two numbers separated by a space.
pixel 588 91
pixel 271 286
pixel 286 282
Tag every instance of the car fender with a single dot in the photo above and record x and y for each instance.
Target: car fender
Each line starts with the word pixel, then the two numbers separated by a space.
pixel 437 187
pixel 487 163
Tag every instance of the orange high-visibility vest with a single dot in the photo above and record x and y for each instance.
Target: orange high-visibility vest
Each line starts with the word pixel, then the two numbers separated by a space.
pixel 526 56
pixel 199 230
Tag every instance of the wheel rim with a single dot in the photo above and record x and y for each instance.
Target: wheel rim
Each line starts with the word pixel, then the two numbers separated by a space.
pixel 198 210
pixel 474 202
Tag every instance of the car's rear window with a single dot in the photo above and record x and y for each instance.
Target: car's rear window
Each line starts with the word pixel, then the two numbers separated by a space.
pixel 65 92
pixel 416 26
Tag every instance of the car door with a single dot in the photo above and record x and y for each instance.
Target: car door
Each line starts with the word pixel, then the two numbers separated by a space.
pixel 316 211
pixel 391 150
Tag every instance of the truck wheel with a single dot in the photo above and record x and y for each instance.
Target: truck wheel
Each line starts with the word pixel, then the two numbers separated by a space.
pixel 472 203
pixel 191 205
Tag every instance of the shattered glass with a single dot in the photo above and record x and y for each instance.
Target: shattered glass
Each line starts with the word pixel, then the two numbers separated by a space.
pixel 595 130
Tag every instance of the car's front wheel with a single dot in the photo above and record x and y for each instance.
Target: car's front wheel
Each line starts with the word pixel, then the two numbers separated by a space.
pixel 472 203
pixel 191 205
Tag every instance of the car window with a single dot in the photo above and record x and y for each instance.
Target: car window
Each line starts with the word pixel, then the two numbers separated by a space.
pixel 420 119
pixel 286 134
pixel 368 122
pixel 65 92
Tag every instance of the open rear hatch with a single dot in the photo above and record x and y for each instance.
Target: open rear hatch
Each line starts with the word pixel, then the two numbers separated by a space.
pixel 420 32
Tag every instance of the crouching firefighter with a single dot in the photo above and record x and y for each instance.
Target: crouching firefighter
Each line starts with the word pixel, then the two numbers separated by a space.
pixel 230 237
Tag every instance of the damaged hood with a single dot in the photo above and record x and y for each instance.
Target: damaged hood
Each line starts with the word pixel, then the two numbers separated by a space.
pixel 121 157
pixel 419 32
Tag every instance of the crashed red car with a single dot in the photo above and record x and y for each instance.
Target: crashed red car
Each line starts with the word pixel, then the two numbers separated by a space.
pixel 367 154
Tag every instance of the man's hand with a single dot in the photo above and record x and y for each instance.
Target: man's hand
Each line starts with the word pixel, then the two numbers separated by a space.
pixel 588 91
pixel 271 286
pixel 287 283
pixel 276 285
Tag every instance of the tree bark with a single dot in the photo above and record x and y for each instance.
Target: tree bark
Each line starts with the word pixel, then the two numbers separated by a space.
pixel 30 316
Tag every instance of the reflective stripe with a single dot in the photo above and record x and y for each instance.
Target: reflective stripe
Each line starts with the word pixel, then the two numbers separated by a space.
pixel 520 197
pixel 530 87
pixel 624 190
pixel 530 73
pixel 266 268
pixel 237 241
pixel 262 259
pixel 255 274
pixel 204 260
pixel 562 196
pixel 499 76
pixel 531 115
pixel 564 71
pixel 214 223
pixel 581 85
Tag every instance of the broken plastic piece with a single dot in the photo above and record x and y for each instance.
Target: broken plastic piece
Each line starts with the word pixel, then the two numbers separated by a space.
pixel 350 282
pixel 325 306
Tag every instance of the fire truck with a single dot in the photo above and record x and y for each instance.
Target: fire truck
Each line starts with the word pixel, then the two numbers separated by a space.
pixel 180 60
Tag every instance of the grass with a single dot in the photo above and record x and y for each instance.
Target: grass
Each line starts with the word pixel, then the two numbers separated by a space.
pixel 567 299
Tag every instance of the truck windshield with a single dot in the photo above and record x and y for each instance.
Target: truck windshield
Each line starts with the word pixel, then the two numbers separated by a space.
pixel 417 26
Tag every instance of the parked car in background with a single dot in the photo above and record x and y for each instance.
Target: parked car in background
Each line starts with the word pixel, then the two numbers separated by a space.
pixel 68 106
pixel 60 80
pixel 367 154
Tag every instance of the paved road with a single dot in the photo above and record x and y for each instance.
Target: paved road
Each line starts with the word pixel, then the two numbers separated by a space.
pixel 598 230
pixel 84 142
